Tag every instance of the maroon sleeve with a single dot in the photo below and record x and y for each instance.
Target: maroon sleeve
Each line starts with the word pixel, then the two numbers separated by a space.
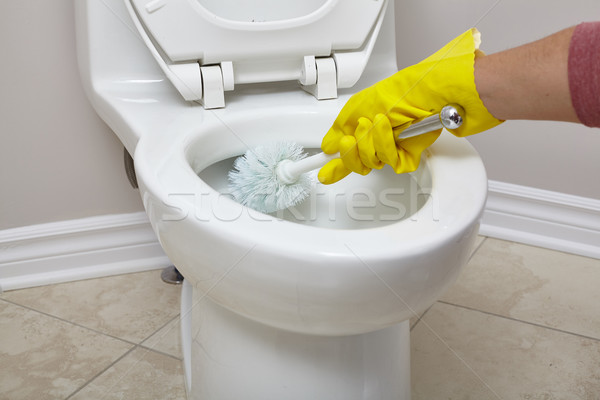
pixel 584 72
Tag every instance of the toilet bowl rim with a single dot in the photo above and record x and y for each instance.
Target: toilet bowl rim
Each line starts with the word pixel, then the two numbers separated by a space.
pixel 423 234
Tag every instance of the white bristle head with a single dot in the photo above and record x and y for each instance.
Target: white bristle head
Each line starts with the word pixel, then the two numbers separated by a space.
pixel 253 181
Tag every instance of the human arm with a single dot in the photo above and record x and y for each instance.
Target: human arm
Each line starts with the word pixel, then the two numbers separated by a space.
pixel 528 82
pixel 556 78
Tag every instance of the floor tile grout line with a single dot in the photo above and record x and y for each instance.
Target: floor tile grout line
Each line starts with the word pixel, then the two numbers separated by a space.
pixel 204 295
pixel 128 352
pixel 70 322
pixel 161 327
pixel 101 372
pixel 141 344
pixel 462 360
pixel 421 317
pixel 105 334
pixel 521 321
pixel 471 256
pixel 162 353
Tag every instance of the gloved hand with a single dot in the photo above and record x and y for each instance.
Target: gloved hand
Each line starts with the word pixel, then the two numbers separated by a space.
pixel 364 133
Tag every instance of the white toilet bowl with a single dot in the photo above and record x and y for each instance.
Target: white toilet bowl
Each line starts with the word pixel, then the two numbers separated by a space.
pixel 338 279
pixel 311 302
pixel 355 257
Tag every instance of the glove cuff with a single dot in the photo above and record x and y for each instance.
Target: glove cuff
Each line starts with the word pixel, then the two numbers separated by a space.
pixel 445 77
pixel 459 72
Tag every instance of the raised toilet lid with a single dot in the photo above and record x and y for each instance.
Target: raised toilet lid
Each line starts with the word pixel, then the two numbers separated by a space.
pixel 206 47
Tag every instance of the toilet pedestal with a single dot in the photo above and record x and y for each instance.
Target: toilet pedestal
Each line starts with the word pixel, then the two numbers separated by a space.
pixel 232 358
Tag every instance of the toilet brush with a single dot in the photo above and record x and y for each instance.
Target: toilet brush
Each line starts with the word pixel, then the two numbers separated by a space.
pixel 276 176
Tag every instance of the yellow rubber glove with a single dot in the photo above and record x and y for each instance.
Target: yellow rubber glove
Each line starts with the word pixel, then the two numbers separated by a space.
pixel 364 133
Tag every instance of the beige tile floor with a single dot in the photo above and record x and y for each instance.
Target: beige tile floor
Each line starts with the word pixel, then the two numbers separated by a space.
pixel 520 323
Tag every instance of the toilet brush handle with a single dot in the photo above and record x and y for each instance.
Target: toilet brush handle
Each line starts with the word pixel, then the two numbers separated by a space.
pixel 450 117
pixel 290 171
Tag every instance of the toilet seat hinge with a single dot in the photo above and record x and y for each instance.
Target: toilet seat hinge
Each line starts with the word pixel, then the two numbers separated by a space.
pixel 216 79
pixel 319 77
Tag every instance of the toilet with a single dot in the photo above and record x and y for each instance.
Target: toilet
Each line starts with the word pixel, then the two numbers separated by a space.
pixel 311 302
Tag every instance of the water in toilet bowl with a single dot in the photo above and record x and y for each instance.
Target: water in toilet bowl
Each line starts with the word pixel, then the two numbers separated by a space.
pixel 357 202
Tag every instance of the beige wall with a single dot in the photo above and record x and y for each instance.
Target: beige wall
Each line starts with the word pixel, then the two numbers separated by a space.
pixel 59 161
pixel 555 156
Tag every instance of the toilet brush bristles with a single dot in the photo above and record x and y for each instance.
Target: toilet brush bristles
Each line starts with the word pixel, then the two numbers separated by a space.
pixel 254 183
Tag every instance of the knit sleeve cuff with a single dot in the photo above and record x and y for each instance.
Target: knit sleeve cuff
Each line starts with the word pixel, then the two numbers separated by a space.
pixel 584 72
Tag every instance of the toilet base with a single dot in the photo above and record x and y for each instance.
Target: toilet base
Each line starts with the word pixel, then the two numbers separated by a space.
pixel 229 357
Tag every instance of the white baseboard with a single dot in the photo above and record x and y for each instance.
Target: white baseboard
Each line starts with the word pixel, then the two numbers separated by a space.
pixel 542 218
pixel 116 244
pixel 78 249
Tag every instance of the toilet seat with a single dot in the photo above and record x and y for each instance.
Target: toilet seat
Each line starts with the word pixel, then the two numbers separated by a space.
pixel 325 45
